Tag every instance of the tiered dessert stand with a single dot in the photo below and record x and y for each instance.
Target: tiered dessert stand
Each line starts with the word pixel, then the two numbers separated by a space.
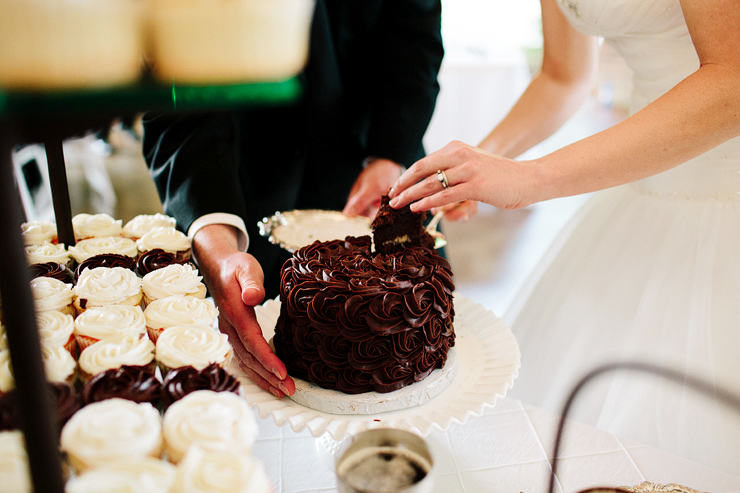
pixel 49 117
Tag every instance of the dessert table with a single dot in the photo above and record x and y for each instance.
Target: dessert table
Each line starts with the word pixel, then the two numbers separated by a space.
pixel 506 449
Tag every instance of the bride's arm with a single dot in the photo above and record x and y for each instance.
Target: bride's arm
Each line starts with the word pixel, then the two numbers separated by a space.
pixel 696 115
pixel 565 79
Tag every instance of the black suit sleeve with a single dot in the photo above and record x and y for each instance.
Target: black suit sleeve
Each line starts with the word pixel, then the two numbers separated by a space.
pixel 403 78
pixel 205 177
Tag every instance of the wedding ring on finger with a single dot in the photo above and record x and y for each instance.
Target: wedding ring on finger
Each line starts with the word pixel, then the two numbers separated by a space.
pixel 442 177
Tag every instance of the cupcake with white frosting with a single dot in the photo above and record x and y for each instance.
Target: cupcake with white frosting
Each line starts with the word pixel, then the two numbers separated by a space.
pixel 15 474
pixel 36 232
pixel 168 239
pixel 56 329
pixel 128 475
pixel 108 321
pixel 7 381
pixel 178 310
pixel 238 473
pixel 96 225
pixel 41 253
pixel 143 223
pixel 52 294
pixel 173 280
pixel 111 431
pixel 85 249
pixel 59 365
pixel 107 286
pixel 131 350
pixel 196 346
pixel 220 421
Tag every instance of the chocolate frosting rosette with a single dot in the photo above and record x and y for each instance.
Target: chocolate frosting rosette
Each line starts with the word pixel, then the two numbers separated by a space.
pixel 52 269
pixel 357 322
pixel 180 382
pixel 157 258
pixel 106 260
pixel 135 383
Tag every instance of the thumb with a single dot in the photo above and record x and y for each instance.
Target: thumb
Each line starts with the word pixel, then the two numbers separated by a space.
pixel 251 283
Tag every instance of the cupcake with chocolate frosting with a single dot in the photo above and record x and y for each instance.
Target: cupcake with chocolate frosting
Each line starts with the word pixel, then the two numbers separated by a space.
pixel 157 258
pixel 135 383
pixel 180 382
pixel 107 260
pixel 52 269
pixel 63 398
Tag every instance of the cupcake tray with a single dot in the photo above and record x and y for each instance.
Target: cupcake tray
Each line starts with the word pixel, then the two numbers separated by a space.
pixel 488 363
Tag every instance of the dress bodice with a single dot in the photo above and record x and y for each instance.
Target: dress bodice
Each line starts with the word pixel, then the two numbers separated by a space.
pixel 653 39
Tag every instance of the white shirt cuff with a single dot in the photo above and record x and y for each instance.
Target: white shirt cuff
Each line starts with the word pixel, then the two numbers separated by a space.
pixel 222 218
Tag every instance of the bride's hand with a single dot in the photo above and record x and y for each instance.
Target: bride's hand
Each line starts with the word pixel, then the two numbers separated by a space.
pixel 471 173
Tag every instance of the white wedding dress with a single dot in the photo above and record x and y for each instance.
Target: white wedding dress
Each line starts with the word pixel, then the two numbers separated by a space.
pixel 645 272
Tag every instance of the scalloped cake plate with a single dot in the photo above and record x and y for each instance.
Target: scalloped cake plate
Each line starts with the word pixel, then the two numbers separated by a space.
pixel 292 230
pixel 488 361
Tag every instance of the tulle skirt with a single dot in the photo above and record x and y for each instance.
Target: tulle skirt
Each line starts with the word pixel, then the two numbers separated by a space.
pixel 639 277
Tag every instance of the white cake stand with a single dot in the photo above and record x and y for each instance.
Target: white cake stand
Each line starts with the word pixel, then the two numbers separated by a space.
pixel 488 362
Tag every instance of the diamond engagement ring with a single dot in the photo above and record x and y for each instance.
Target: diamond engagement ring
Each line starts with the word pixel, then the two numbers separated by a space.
pixel 442 177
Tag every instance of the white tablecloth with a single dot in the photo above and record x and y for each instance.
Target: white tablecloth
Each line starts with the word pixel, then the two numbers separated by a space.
pixel 505 450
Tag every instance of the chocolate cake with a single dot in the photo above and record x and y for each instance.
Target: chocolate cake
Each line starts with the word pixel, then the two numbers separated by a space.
pixel 356 320
pixel 396 229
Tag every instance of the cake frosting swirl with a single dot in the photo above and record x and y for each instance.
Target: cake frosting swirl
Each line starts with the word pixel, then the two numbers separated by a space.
pixel 168 239
pixel 35 232
pixel 143 223
pixel 128 475
pixel 192 345
pixel 51 294
pixel 106 260
pixel 112 430
pixel 95 225
pixel 107 286
pixel 157 258
pixel 135 383
pixel 178 310
pixel 55 328
pixel 47 252
pixel 180 382
pixel 84 249
pixel 175 279
pixel 52 269
pixel 111 353
pixel 238 473
pixel 104 322
pixel 356 321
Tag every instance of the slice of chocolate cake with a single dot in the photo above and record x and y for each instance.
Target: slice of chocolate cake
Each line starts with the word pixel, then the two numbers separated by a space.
pixel 397 229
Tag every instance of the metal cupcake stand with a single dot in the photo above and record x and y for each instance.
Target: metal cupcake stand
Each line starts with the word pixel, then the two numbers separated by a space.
pixel 50 117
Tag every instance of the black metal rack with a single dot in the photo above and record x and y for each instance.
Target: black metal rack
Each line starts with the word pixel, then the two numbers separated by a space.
pixel 50 117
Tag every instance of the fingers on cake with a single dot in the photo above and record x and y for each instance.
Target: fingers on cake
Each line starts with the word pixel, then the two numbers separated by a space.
pixel 366 324
pixel 127 336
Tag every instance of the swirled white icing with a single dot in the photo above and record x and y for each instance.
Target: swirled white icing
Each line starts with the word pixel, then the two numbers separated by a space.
pixel 168 239
pixel 112 430
pixel 59 364
pixel 180 310
pixel 107 285
pixel 192 345
pixel 174 279
pixel 84 249
pixel 55 328
pixel 143 223
pixel 95 225
pixel 101 322
pixel 51 294
pixel 128 475
pixel 103 355
pixel 238 473
pixel 219 421
pixel 16 475
pixel 35 232
pixel 7 381
pixel 47 252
